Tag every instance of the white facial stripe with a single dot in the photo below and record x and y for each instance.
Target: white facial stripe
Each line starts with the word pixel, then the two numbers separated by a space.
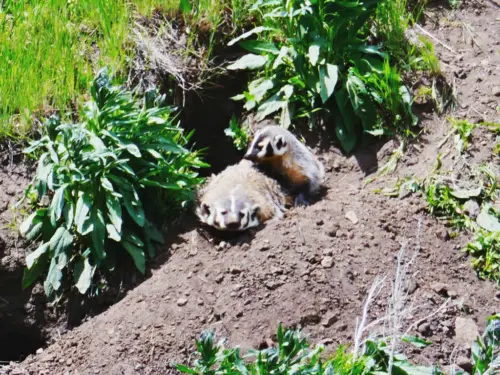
pixel 262 152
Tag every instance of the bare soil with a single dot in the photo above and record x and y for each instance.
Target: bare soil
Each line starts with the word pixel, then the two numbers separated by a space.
pixel 312 269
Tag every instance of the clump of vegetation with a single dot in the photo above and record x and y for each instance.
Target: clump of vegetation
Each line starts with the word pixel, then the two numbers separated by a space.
pixel 486 349
pixel 106 179
pixel 239 134
pixel 317 60
pixel 293 355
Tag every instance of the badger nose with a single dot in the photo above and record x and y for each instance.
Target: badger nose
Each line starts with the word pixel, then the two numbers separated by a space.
pixel 232 222
pixel 249 156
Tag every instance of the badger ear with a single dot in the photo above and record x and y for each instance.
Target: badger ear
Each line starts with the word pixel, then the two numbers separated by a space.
pixel 279 142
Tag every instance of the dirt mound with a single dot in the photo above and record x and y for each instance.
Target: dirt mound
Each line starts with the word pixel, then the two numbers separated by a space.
pixel 313 269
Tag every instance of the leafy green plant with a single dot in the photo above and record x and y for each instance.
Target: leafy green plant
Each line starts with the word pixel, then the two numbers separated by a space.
pixel 106 179
pixel 486 349
pixel 314 60
pixel 463 130
pixel 293 355
pixel 239 134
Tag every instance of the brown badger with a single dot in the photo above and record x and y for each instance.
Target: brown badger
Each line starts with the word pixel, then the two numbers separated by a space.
pixel 240 197
pixel 279 151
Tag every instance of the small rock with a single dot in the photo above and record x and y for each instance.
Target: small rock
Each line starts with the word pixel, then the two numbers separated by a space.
pixel 333 231
pixel 272 285
pixel 319 222
pixel 452 293
pixel 39 351
pixel 235 270
pixel 440 288
pixel 182 301
pixel 410 286
pixel 465 363
pixel 200 302
pixel 276 270
pixel 471 208
pixel 238 287
pixel 219 278
pixel 69 362
pixel 465 331
pixel 352 217
pixel 496 91
pixel 264 246
pixel 329 320
pixel 327 262
pixel 443 234
pixel 425 329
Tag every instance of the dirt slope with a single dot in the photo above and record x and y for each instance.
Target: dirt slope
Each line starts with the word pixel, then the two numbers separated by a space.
pixel 312 269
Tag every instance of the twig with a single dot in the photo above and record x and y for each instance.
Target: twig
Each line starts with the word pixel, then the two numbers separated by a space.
pixel 300 232
pixel 436 39
pixel 472 37
pixel 360 326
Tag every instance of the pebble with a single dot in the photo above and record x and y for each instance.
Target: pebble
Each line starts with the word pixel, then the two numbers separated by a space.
pixel 235 270
pixel 471 208
pixel 439 288
pixel 182 301
pixel 327 262
pixel 496 91
pixel 352 217
pixel 465 363
pixel 425 329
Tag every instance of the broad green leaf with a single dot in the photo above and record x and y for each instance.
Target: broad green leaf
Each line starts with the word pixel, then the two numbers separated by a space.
pixel 98 234
pixel 57 205
pixel 286 117
pixel 273 104
pixel 417 341
pixel 106 184
pixel 258 47
pixel 185 369
pixel 313 54
pixel 137 255
pixel 487 220
pixel 31 227
pixel 114 209
pixel 83 206
pixel 97 143
pixel 255 30
pixel 33 257
pixel 82 274
pixel 60 241
pixel 69 215
pixel 466 193
pixel 31 274
pixel 287 90
pixel 249 61
pixel 327 79
pixel 133 205
pixel 259 88
pixel 132 149
pixel 53 280
pixel 374 50
pixel 345 121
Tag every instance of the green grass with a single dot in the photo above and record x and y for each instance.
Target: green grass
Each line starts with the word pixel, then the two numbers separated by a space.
pixel 50 50
pixel 47 50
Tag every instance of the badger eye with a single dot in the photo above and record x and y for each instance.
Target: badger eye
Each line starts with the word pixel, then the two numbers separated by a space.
pixel 242 215
pixel 223 212
pixel 254 216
